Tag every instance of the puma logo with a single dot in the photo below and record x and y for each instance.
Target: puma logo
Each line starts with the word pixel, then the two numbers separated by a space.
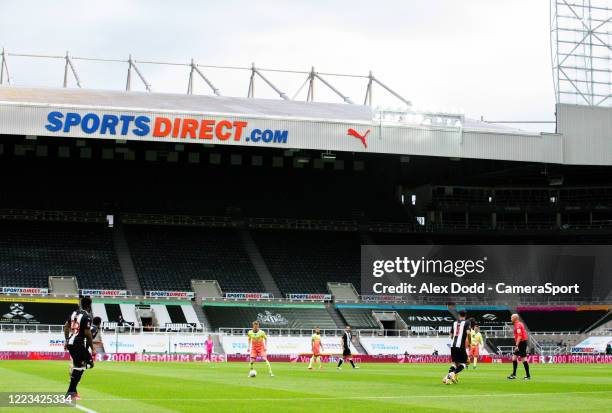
pixel 352 132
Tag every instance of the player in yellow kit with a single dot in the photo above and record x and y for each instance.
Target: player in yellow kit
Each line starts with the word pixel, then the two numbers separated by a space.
pixel 317 347
pixel 475 344
pixel 258 341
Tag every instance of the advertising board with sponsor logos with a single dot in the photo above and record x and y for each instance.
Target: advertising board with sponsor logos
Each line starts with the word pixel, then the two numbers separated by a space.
pixel 408 345
pixel 309 297
pixel 282 345
pixel 104 293
pixel 211 127
pixel 248 296
pixel 25 290
pixel 170 294
pixel 19 310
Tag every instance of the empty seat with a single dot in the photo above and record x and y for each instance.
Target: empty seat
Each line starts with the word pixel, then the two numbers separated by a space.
pixel 168 258
pixel 305 261
pixel 30 252
pixel 222 315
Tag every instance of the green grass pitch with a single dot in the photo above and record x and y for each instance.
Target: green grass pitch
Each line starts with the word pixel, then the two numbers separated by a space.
pixel 202 387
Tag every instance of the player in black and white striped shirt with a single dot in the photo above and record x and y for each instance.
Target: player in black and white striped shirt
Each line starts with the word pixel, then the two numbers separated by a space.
pixel 77 332
pixel 460 342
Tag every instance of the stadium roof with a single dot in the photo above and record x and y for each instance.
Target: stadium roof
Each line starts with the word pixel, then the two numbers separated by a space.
pixel 182 103
pixel 582 138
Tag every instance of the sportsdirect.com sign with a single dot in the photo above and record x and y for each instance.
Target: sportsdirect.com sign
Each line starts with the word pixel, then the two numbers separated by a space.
pixel 187 128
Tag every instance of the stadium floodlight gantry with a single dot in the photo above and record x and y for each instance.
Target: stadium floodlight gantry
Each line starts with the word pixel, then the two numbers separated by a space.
pixel 581 34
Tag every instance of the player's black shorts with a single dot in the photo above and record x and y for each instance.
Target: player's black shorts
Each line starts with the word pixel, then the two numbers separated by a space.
pixel 521 350
pixel 346 351
pixel 79 354
pixel 459 355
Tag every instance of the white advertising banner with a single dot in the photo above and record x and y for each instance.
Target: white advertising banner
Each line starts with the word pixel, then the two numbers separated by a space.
pixel 283 345
pixel 204 128
pixel 113 343
pixel 154 343
pixel 264 123
pixel 595 344
pixel 410 345
pixel 44 342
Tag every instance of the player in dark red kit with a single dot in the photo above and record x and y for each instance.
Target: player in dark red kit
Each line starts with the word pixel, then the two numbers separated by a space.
pixel 520 338
pixel 79 339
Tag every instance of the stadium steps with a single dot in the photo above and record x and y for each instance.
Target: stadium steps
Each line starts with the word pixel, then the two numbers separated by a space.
pixel 122 250
pixel 259 264
pixel 360 349
pixel 202 317
pixel 218 346
pixel 335 315
pixel 63 285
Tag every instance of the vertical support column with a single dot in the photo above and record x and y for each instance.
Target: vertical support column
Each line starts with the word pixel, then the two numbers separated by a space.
pixel 311 77
pixel 558 220
pixel 190 84
pixel 251 93
pixel 467 219
pixel 431 217
pixel 128 83
pixel 368 97
pixel 66 71
pixel 4 68
pixel 493 220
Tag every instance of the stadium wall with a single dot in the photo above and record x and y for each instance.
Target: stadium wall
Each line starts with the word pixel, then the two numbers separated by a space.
pixel 587 134
pixel 293 124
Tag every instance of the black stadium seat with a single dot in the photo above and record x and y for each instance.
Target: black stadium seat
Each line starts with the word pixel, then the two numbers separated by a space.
pixel 565 320
pixel 359 318
pixel 305 261
pixel 291 317
pixel 30 252
pixel 168 258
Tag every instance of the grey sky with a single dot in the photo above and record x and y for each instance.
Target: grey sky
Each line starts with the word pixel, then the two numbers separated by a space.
pixel 486 57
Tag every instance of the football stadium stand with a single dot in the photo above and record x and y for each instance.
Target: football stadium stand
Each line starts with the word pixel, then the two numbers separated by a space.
pixel 168 258
pixel 31 252
pixel 305 261
pixel 562 319
pixel 359 318
pixel 270 316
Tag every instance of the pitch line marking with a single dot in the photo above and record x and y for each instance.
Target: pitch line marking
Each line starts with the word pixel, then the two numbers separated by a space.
pixel 85 409
pixel 418 396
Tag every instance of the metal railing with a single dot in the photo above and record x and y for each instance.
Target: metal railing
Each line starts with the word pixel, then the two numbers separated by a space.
pixel 106 327
pixel 281 331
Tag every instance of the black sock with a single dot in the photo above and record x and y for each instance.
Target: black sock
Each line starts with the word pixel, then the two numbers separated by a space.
pixel 451 369
pixel 459 368
pixel 340 362
pixel 75 377
pixel 526 365
pixel 352 364
pixel 514 366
